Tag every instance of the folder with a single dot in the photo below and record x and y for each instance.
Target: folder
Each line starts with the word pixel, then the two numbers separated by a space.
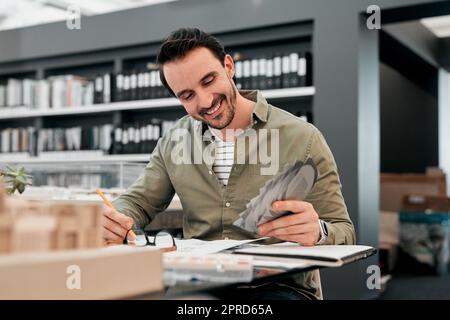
pixel 323 255
pixel 133 86
pixel 237 75
pixel 118 92
pixel 107 88
pixel 98 90
pixel 277 84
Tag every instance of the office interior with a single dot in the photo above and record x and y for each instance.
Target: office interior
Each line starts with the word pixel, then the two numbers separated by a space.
pixel 375 82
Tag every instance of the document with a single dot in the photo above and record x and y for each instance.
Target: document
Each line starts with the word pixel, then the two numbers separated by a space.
pixel 196 246
pixel 293 182
pixel 324 255
pixel 202 247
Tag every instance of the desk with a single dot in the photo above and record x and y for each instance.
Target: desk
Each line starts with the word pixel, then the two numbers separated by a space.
pixel 209 290
pixel 263 275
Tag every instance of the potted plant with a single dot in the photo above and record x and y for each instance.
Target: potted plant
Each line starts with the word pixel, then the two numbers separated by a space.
pixel 15 179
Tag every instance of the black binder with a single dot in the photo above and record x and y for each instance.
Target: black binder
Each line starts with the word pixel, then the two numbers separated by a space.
pixel 118 91
pixel 98 89
pixel 277 72
pixel 133 86
pixel 238 74
pixel 117 141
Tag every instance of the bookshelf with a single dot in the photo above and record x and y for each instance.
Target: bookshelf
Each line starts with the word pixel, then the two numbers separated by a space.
pixel 25 158
pixel 111 102
pixel 26 112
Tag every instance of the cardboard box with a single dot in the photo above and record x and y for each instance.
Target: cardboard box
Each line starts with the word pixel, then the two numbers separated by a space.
pixel 393 187
pixel 389 228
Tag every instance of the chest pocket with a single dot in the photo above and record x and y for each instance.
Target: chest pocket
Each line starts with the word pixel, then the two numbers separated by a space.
pixel 253 178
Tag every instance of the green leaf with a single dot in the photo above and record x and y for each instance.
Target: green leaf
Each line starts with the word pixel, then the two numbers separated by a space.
pixel 21 179
pixel 16 179
pixel 21 188
pixel 10 168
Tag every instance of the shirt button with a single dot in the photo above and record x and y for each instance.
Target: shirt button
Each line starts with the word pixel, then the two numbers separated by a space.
pixel 227 204
pixel 210 172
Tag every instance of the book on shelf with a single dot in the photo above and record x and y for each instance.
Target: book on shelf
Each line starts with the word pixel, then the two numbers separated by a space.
pixel 2 96
pixel 139 85
pixel 55 92
pixel 277 71
pixel 14 93
pixel 282 70
pixel 130 139
pixel 102 89
pixel 17 140
pixel 69 91
pixel 42 95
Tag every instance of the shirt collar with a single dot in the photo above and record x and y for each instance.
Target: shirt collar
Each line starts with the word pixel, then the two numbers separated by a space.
pixel 260 110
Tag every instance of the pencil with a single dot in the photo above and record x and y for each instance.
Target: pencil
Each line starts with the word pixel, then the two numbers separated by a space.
pixel 100 193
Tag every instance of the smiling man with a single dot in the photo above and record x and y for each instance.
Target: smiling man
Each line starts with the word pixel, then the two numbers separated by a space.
pixel 195 68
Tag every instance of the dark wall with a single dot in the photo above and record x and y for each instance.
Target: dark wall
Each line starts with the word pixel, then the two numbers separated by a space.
pixel 409 124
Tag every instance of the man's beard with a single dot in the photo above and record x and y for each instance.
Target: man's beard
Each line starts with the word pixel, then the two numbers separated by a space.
pixel 227 115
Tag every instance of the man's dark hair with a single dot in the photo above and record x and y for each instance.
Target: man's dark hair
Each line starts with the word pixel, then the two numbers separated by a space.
pixel 182 41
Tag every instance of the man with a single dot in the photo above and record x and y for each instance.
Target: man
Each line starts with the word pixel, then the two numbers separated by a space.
pixel 195 68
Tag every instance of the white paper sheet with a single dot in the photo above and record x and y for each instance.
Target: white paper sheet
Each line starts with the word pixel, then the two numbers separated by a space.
pixel 201 247
pixel 195 246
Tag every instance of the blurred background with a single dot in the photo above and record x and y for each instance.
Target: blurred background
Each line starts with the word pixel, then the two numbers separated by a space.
pixel 82 106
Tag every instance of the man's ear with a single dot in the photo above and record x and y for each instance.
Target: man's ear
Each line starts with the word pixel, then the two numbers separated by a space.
pixel 229 66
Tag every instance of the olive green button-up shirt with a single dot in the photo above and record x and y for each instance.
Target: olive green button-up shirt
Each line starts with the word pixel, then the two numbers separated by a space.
pixel 181 163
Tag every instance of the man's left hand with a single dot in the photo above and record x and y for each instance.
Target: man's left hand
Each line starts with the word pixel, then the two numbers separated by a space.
pixel 301 226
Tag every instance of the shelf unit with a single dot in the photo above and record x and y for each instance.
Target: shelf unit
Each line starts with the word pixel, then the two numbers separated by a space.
pixel 162 103
pixel 113 158
pixel 267 42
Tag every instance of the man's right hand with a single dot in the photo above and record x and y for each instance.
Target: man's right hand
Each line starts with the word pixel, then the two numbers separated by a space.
pixel 116 226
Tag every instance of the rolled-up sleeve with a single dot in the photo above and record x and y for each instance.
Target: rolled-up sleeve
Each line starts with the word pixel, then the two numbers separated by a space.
pixel 150 194
pixel 326 195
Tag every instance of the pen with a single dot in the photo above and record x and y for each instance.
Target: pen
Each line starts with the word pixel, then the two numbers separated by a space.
pixel 100 193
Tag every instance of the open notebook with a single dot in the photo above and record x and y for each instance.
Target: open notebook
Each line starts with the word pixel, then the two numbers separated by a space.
pixel 326 255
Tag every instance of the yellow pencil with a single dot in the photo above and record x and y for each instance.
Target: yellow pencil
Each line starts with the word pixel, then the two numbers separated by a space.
pixel 100 193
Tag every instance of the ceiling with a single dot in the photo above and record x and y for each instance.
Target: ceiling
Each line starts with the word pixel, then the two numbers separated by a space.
pixel 23 13
pixel 440 26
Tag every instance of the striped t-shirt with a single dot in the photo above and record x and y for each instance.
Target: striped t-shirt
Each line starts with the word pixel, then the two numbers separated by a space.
pixel 223 160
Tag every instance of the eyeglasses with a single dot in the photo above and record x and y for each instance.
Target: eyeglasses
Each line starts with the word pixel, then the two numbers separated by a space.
pixel 162 240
